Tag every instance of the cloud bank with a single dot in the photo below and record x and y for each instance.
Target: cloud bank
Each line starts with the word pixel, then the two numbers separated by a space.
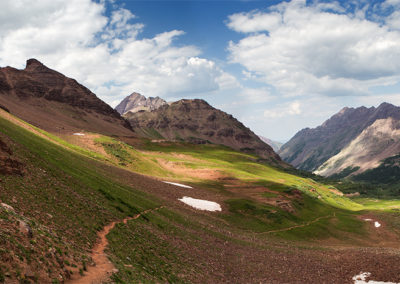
pixel 319 48
pixel 101 48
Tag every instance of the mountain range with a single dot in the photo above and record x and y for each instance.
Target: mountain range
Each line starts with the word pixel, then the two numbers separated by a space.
pixel 351 142
pixel 56 103
pixel 197 122
pixel 177 193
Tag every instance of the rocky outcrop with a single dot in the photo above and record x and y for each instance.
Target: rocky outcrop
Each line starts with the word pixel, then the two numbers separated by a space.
pixel 136 102
pixel 8 164
pixel 50 100
pixel 197 122
pixel 310 148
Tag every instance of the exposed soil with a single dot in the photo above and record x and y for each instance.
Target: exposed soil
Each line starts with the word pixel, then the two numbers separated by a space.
pixel 208 174
pixel 86 141
pixel 103 268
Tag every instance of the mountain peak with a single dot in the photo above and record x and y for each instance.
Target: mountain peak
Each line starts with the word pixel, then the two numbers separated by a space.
pixel 343 111
pixel 32 64
pixel 52 97
pixel 135 95
pixel 385 105
pixel 136 102
pixel 196 121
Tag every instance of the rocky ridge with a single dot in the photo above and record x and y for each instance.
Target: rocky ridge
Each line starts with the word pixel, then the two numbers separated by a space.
pixel 310 148
pixel 375 143
pixel 197 122
pixel 136 102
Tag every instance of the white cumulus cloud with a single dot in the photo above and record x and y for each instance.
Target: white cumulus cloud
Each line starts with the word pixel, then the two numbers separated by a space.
pixel 316 49
pixel 288 109
pixel 105 53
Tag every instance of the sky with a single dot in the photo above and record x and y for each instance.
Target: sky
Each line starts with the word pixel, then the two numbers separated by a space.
pixel 277 66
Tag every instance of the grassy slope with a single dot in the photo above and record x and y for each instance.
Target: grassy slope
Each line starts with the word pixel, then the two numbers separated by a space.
pixel 71 185
pixel 70 188
pixel 230 164
pixel 245 212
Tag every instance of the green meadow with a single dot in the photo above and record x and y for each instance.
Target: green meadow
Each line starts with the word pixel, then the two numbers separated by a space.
pixel 74 185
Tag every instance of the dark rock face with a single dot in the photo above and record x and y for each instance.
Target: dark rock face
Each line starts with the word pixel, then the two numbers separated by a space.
pixel 136 102
pixel 40 85
pixel 310 148
pixel 197 122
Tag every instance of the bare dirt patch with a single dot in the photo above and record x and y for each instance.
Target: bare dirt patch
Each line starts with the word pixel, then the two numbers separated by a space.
pixel 181 169
pixel 87 141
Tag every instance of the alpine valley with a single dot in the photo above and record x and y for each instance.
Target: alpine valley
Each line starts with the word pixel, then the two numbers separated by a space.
pixel 182 192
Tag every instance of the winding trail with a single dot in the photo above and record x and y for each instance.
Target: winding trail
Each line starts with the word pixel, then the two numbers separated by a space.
pixel 103 267
pixel 299 226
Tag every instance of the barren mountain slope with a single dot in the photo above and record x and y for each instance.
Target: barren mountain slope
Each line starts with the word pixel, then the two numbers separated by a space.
pixel 196 121
pixel 377 142
pixel 51 101
pixel 310 148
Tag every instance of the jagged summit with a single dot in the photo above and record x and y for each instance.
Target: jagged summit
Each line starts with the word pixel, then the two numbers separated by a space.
pixel 136 102
pixel 33 63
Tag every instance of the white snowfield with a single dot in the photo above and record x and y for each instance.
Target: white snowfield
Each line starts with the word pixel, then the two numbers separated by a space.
pixel 201 204
pixel 79 134
pixel 360 279
pixel 178 184
pixel 376 223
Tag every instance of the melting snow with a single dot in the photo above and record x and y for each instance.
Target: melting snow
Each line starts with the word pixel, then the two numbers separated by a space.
pixel 360 279
pixel 178 184
pixel 201 204
pixel 376 223
pixel 79 134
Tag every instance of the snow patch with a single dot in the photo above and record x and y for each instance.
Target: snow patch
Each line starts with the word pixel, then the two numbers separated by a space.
pixel 201 204
pixel 79 134
pixel 361 279
pixel 177 184
pixel 376 223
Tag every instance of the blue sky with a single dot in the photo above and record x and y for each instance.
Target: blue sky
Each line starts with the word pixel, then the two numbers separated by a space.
pixel 278 66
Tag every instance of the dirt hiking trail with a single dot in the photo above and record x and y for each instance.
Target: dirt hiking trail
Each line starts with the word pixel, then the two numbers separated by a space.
pixel 299 226
pixel 103 268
